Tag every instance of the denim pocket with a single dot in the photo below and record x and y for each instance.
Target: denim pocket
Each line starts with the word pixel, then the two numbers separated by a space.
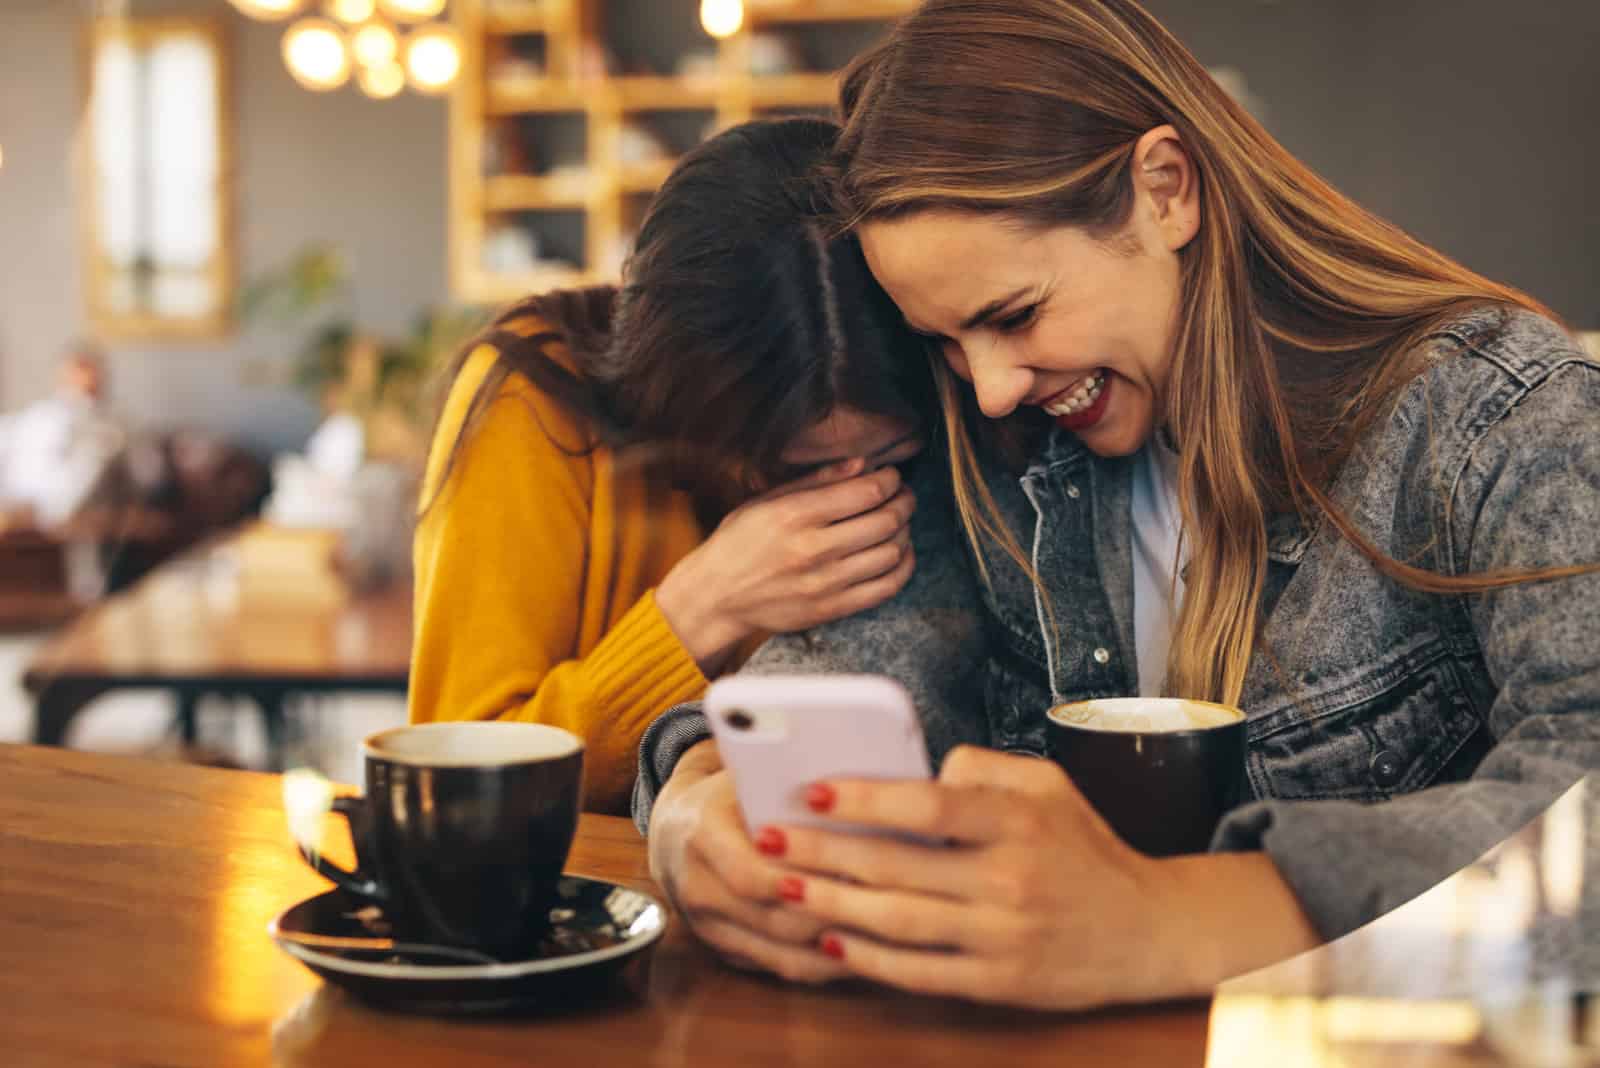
pixel 1366 736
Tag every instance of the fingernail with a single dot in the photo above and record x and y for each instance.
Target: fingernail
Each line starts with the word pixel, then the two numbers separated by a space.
pixel 792 888
pixel 833 947
pixel 772 842
pixel 820 797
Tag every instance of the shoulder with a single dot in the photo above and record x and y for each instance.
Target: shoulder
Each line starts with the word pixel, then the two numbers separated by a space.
pixel 1500 364
pixel 516 427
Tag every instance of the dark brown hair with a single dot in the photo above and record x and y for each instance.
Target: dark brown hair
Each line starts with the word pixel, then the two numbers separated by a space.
pixel 744 318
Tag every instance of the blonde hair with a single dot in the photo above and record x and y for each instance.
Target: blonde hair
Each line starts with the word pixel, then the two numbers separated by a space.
pixel 1300 316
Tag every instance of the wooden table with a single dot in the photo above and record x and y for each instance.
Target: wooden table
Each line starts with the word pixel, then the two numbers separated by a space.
pixel 259 614
pixel 134 898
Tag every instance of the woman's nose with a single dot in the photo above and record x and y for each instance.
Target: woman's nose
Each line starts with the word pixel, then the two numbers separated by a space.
pixel 999 384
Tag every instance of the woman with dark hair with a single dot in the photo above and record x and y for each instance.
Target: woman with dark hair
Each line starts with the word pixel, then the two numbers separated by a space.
pixel 628 487
pixel 1279 455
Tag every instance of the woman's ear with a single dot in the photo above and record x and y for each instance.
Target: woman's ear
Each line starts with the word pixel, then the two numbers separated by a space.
pixel 1164 179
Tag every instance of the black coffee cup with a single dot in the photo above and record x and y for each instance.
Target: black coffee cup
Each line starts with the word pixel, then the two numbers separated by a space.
pixel 1161 771
pixel 463 831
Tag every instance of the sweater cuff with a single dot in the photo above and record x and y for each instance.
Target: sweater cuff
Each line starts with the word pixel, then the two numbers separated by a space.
pixel 664 743
pixel 642 665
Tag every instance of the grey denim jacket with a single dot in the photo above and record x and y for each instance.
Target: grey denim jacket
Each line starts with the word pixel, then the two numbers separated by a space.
pixel 1394 736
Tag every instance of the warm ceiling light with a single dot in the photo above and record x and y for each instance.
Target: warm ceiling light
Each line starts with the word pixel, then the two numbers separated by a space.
pixel 269 9
pixel 315 53
pixel 352 11
pixel 411 10
pixel 722 18
pixel 382 80
pixel 376 45
pixel 433 58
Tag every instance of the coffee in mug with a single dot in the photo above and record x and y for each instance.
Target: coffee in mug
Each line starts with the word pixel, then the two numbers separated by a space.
pixel 463 830
pixel 1161 771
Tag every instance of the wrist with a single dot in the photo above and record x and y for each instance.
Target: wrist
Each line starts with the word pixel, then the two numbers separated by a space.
pixel 694 613
pixel 1228 913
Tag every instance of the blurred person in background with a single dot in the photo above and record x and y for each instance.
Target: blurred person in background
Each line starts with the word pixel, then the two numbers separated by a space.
pixel 55 451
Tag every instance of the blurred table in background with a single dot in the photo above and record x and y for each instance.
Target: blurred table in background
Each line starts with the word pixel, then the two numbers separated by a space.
pixel 261 613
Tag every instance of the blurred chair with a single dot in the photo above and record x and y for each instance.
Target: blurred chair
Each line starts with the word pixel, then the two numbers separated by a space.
pixel 162 495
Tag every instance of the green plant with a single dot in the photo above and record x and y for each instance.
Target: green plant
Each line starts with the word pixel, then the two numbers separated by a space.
pixel 382 380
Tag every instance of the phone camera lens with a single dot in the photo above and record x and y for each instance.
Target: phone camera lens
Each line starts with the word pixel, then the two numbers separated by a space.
pixel 739 719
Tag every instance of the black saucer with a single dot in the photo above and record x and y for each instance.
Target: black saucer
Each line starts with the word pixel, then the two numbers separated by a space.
pixel 596 929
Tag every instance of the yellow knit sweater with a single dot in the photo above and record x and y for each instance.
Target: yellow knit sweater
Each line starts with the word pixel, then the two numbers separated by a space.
pixel 535 577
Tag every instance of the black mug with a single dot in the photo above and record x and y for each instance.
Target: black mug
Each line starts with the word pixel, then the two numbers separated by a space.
pixel 1161 771
pixel 463 831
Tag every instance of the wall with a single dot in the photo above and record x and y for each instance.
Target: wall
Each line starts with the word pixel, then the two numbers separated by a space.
pixel 368 176
pixel 1469 122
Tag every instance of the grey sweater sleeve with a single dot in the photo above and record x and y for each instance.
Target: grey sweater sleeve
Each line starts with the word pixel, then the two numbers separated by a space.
pixel 1527 498
pixel 929 638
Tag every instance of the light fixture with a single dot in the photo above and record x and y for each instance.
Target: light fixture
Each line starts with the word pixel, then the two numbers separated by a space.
pixel 433 58
pixel 411 10
pixel 269 9
pixel 722 18
pixel 351 12
pixel 376 45
pixel 315 53
pixel 381 81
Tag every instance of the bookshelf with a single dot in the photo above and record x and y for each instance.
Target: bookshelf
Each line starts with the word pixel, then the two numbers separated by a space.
pixel 569 114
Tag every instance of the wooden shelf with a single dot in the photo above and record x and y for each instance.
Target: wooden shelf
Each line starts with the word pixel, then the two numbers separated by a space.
pixel 521 96
pixel 533 18
pixel 794 90
pixel 532 192
pixel 644 177
pixel 643 93
pixel 571 93
pixel 757 13
pixel 490 288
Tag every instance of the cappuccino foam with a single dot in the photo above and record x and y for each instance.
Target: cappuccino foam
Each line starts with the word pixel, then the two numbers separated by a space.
pixel 1145 715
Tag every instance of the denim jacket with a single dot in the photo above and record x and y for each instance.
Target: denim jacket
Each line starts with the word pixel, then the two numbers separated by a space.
pixel 1394 736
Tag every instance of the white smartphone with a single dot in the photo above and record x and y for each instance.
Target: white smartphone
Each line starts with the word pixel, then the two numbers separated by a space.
pixel 779 734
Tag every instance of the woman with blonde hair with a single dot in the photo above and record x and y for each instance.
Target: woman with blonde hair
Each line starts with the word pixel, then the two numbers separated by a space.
pixel 1275 453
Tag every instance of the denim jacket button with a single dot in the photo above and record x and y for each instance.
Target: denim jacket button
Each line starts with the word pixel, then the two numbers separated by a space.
pixel 1386 768
pixel 1073 491
pixel 1102 655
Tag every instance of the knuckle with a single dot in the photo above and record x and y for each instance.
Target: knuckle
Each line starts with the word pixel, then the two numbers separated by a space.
pixel 959 763
pixel 745 882
pixel 811 585
pixel 1010 888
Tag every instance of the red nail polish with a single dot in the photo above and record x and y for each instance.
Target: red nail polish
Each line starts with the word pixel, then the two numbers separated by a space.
pixel 791 888
pixel 820 797
pixel 772 842
pixel 833 947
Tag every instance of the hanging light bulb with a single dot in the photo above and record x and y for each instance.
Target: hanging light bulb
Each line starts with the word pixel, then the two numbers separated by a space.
pixel 315 53
pixel 722 18
pixel 411 10
pixel 376 45
pixel 382 80
pixel 269 9
pixel 433 58
pixel 351 12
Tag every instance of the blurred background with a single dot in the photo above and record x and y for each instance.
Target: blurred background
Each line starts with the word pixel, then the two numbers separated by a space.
pixel 238 237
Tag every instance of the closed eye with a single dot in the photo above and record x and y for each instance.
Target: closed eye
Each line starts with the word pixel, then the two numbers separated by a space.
pixel 1017 320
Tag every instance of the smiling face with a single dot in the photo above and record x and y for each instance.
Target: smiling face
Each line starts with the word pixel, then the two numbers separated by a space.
pixel 1078 325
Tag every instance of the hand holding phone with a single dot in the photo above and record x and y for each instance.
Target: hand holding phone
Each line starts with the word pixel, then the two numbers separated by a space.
pixel 778 734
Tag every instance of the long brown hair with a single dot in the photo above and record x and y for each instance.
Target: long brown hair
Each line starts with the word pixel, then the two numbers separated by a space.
pixel 1300 313
pixel 744 318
